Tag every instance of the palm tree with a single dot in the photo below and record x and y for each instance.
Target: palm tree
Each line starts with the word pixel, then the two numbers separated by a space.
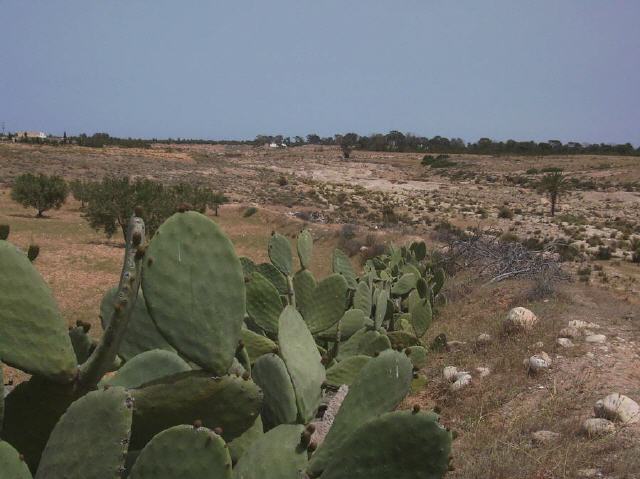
pixel 553 184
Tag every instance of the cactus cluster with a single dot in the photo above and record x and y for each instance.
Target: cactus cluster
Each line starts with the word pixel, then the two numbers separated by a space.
pixel 210 364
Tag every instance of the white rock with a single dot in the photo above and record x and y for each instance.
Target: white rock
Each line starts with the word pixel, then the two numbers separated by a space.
pixel 449 373
pixel 565 342
pixel 545 437
pixel 538 362
pixel 519 319
pixel 618 407
pixel 597 426
pixel 596 338
pixel 589 473
pixel 461 381
pixel 483 339
pixel 570 332
pixel 538 345
pixel 483 372
pixel 579 324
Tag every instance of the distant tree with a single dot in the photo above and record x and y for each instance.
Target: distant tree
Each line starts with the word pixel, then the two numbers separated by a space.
pixel 553 185
pixel 216 200
pixel 313 139
pixel 41 192
pixel 80 190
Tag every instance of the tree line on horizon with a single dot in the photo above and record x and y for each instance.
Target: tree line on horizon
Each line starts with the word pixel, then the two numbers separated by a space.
pixel 394 141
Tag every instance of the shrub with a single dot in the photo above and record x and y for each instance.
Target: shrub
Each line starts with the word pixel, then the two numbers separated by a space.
pixel 282 180
pixel 532 171
pixel 504 212
pixel 250 211
pixel 440 161
pixel 604 253
pixel 41 192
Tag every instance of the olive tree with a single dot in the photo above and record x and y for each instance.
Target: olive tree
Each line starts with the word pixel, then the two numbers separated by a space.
pixel 42 192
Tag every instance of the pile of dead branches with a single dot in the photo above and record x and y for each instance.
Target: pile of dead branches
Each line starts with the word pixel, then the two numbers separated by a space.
pixel 497 260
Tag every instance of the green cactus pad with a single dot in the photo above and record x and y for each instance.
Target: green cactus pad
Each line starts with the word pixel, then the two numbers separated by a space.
pixel 328 303
pixel 304 246
pixel 382 383
pixel 90 439
pixel 12 464
pixel 304 286
pixel 242 356
pixel 342 266
pixel 263 303
pixel 81 343
pixel 228 402
pixel 419 249
pixel 194 288
pixel 421 316
pixel 424 444
pixel 32 410
pixel 362 298
pixel 276 455
pixel 242 444
pixel 184 452
pixel 256 344
pixel 34 335
pixel 4 231
pixel 417 355
pixel 352 321
pixel 1 397
pixel 300 355
pixel 405 284
pixel 146 367
pixel 401 339
pixel 381 308
pixel 438 280
pixel 364 342
pixel 270 272
pixel 280 253
pixel 422 288
pixel 346 371
pixel 248 266
pixel 270 373
pixel 142 334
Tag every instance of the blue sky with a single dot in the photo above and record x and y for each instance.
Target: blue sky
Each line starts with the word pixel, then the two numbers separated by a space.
pixel 521 69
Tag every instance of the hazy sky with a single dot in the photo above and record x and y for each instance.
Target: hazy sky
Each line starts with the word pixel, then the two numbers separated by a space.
pixel 543 69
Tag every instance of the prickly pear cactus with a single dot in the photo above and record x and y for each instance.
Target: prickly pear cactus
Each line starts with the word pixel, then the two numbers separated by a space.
pixel 342 266
pixel 146 367
pixel 272 273
pixel 280 253
pixel 379 387
pixel 243 443
pixel 424 443
pixel 263 303
pixel 304 287
pixel 90 439
pixel 185 452
pixel 328 303
pixel 33 334
pixel 228 402
pixel 142 334
pixel 270 373
pixel 303 361
pixel 280 453
pixel 305 248
pixel 12 463
pixel 362 298
pixel 194 288
pixel 256 344
pixel 346 371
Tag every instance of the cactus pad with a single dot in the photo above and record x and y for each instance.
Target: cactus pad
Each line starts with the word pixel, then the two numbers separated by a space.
pixel 365 342
pixel 421 316
pixel 142 334
pixel 280 253
pixel 184 452
pixel 278 454
pixel 81 343
pixel 270 373
pixel 263 303
pixel 304 285
pixel 346 371
pixel 303 361
pixel 90 439
pixel 146 367
pixel 382 383
pixel 243 443
pixel 328 303
pixel 12 464
pixel 342 266
pixel 228 402
pixel 34 335
pixel 256 344
pixel 417 355
pixel 352 321
pixel 405 284
pixel 381 308
pixel 305 248
pixel 270 272
pixel 362 298
pixel 194 289
pixel 424 443
pixel 402 339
